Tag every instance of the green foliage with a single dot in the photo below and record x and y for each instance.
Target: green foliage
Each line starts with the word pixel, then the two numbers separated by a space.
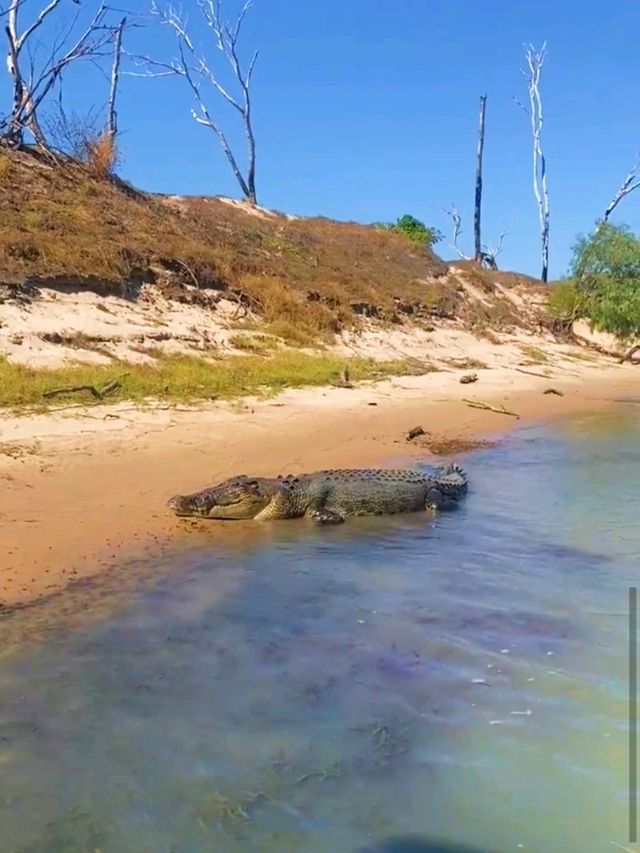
pixel 606 279
pixel 182 377
pixel 414 230
pixel 564 301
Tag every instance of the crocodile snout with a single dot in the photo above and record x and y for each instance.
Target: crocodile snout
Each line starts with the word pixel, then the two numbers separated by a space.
pixel 176 503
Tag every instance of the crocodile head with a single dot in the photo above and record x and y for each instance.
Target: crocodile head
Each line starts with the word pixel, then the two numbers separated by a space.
pixel 235 499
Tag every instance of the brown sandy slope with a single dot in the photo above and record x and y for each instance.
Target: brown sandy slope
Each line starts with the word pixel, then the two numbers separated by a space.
pixel 66 235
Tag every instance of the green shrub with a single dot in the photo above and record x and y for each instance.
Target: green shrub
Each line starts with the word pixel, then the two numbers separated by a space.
pixel 606 278
pixel 564 300
pixel 414 230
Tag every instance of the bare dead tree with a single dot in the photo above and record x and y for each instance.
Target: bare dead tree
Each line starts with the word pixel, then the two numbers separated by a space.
pixel 30 88
pixel 478 197
pixel 112 115
pixel 535 60
pixel 628 186
pixel 456 220
pixel 487 256
pixel 194 68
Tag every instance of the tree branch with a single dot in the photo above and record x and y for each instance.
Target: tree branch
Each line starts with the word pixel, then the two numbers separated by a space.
pixel 457 231
pixel 225 38
pixel 44 14
pixel 626 187
pixel 489 254
pixel 29 92
pixel 85 47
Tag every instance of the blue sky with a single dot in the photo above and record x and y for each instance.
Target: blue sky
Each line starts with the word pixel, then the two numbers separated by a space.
pixel 367 109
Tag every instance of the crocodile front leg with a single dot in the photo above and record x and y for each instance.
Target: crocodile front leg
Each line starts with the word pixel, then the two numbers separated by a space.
pixel 434 500
pixel 317 508
pixel 325 516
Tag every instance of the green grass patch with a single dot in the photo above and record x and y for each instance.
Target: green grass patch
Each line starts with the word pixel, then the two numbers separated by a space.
pixel 182 378
pixel 256 344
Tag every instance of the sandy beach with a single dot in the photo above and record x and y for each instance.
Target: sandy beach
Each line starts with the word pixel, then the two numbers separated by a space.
pixel 85 488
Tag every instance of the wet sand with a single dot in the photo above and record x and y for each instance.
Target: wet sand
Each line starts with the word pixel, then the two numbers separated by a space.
pixel 84 489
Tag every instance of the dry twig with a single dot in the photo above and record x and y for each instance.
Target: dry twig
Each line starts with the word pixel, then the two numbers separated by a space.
pixel 478 404
pixel 531 372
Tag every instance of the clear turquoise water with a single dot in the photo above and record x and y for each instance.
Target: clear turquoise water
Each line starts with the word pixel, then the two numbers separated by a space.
pixel 463 678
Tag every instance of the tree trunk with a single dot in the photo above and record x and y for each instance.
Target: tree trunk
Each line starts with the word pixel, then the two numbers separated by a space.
pixel 14 133
pixel 535 60
pixel 545 249
pixel 251 171
pixel 478 200
pixel 112 120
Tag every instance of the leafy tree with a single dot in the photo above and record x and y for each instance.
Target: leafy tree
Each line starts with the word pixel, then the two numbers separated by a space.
pixel 605 273
pixel 414 230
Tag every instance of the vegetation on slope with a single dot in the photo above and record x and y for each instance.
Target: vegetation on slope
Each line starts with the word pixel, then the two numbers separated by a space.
pixel 62 225
pixel 604 283
pixel 60 222
pixel 414 230
pixel 303 280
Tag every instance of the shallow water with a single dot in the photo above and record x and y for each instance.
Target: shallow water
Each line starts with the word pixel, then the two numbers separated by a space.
pixel 463 678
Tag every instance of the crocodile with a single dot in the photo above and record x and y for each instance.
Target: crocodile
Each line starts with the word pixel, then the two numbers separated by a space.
pixel 327 497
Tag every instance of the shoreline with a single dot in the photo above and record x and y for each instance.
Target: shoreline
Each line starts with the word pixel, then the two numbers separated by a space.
pixel 84 489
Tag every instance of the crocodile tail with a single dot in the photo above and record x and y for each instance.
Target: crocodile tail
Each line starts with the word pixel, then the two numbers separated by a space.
pixel 452 480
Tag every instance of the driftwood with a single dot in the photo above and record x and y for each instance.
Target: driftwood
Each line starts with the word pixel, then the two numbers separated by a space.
pixel 414 433
pixel 96 393
pixel 71 389
pixel 628 355
pixel 478 404
pixel 531 372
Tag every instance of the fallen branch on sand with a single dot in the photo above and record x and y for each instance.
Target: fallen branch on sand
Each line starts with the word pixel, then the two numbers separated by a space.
pixel 414 433
pixel 531 372
pixel 628 355
pixel 72 389
pixel 478 404
pixel 96 393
